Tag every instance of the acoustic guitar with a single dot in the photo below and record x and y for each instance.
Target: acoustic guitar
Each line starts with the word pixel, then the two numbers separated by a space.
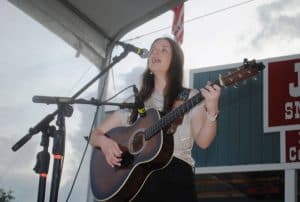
pixel 146 147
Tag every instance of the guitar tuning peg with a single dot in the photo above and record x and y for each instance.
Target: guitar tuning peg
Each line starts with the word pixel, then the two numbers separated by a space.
pixel 245 61
pixel 235 85
pixel 221 80
pixel 254 78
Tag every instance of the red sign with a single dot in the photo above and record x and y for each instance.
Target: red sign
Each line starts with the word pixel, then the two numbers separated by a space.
pixel 292 142
pixel 284 93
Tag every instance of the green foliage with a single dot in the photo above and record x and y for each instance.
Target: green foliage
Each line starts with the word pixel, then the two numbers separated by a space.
pixel 6 196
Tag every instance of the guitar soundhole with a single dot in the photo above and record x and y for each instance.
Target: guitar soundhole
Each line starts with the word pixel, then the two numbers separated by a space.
pixel 136 142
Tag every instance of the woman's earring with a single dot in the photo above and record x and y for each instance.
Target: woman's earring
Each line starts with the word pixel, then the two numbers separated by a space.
pixel 149 71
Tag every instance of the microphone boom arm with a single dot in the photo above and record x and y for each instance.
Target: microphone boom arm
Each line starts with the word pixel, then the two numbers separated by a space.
pixel 70 100
pixel 46 120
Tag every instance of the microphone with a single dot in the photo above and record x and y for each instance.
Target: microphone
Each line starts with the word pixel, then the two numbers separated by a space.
pixel 138 102
pixel 143 53
pixel 51 100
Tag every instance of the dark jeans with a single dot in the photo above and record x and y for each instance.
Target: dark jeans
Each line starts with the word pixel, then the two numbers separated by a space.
pixel 175 183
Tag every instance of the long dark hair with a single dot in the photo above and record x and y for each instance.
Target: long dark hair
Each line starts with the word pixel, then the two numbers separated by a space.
pixel 174 79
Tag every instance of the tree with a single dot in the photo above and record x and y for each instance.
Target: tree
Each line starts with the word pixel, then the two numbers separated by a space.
pixel 6 196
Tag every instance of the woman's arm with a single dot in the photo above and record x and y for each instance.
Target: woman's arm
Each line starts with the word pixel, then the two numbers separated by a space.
pixel 203 121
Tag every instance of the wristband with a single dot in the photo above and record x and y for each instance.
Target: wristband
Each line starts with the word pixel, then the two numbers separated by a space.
pixel 211 117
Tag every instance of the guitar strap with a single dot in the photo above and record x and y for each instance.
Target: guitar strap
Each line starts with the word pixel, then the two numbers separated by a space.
pixel 182 97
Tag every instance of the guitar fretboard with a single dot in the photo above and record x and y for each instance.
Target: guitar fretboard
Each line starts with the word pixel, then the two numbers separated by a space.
pixel 174 114
pixel 247 70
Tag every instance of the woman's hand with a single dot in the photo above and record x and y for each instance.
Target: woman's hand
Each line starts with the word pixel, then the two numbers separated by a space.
pixel 211 94
pixel 109 147
pixel 111 150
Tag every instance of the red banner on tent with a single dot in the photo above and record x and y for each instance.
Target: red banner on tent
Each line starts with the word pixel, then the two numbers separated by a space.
pixel 178 22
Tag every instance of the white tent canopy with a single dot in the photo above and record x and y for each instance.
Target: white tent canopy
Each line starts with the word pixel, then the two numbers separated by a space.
pixel 92 26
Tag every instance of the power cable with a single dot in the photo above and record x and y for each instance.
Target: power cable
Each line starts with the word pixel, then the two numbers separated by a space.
pixel 80 79
pixel 88 139
pixel 193 19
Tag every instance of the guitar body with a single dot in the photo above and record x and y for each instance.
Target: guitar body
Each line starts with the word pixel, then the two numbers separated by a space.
pixel 140 158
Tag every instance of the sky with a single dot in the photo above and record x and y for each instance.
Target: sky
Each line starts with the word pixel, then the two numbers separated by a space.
pixel 35 61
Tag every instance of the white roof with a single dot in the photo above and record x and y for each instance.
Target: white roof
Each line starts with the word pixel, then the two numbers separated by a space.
pixel 92 26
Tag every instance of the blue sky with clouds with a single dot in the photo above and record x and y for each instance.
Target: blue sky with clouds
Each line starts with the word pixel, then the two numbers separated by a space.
pixel 34 61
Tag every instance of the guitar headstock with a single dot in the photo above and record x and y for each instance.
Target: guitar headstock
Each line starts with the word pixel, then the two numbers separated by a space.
pixel 244 72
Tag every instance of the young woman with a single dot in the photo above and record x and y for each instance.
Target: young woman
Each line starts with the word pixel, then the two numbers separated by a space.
pixel 161 89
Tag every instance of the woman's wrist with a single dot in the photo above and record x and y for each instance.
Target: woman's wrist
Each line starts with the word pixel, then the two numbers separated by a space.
pixel 211 115
pixel 97 138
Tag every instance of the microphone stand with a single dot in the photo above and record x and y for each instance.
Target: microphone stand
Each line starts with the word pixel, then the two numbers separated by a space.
pixel 42 164
pixel 64 109
pixel 59 137
pixel 58 150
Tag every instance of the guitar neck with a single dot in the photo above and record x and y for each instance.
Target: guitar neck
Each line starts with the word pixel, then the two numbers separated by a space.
pixel 245 71
pixel 170 117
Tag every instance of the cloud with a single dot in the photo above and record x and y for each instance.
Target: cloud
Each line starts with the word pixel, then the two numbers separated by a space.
pixel 16 169
pixel 134 76
pixel 124 79
pixel 120 81
pixel 280 21
pixel 37 62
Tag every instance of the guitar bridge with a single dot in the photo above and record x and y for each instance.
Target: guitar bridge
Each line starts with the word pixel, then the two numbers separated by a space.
pixel 127 160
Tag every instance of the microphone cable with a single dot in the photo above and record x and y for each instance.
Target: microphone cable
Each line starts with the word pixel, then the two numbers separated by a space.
pixel 131 86
pixel 83 155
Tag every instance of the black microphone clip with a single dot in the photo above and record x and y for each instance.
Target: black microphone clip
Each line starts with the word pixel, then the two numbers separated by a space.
pixel 140 106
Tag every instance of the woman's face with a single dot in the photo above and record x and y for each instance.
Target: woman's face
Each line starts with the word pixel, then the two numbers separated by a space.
pixel 160 56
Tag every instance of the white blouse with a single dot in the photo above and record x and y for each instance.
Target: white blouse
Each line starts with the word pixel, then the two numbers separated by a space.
pixel 183 139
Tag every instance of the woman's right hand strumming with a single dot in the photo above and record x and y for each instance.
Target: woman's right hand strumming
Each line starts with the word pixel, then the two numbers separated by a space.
pixel 109 147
